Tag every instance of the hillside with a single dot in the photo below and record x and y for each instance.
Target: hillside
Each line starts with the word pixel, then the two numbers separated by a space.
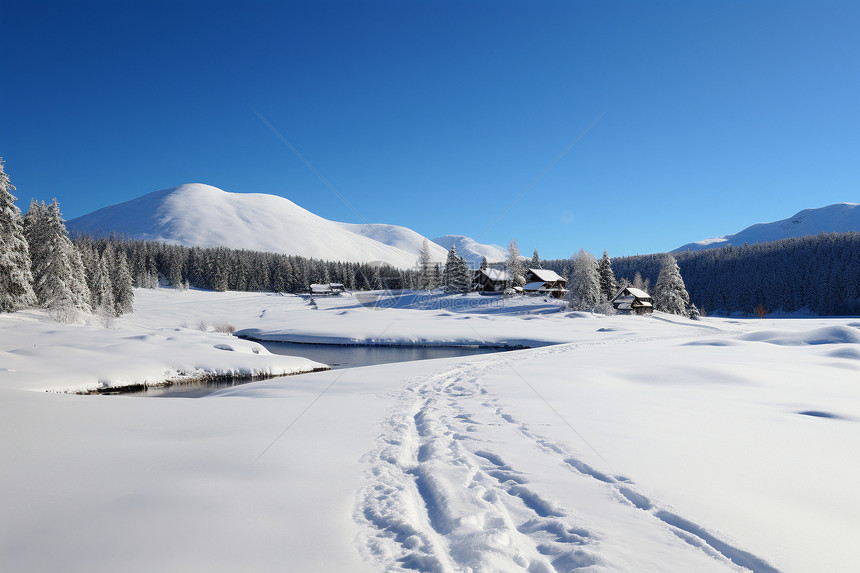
pixel 837 218
pixel 471 250
pixel 195 214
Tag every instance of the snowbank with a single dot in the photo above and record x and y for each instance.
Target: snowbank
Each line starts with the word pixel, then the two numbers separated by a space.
pixel 638 444
pixel 40 354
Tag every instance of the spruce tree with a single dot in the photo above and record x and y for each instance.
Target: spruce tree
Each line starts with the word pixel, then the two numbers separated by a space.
pixel 670 294
pixel 456 274
pixel 608 284
pixel 16 279
pixel 516 270
pixel 427 270
pixel 102 295
pixel 123 291
pixel 59 278
pixel 535 262
pixel 449 274
pixel 484 264
pixel 584 282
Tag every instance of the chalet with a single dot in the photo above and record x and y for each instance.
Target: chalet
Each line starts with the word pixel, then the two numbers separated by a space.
pixel 490 280
pixel 545 282
pixel 327 289
pixel 631 300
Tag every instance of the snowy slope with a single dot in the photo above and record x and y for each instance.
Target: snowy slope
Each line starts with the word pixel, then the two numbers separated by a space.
pixel 472 250
pixel 396 236
pixel 837 218
pixel 195 214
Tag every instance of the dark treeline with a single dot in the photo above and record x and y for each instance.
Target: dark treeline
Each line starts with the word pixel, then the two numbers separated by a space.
pixel 821 272
pixel 223 269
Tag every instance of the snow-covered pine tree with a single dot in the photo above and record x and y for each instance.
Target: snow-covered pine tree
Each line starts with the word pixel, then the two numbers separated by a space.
pixel 640 283
pixel 59 278
pixel 449 274
pixel 456 274
pixel 584 282
pixel 608 284
pixel 102 296
pixel 484 264
pixel 670 294
pixel 427 269
pixel 516 270
pixel 535 262
pixel 464 276
pixel 123 291
pixel 16 279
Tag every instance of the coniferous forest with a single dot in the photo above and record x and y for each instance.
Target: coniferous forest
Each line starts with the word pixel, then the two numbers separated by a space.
pixel 221 268
pixel 818 272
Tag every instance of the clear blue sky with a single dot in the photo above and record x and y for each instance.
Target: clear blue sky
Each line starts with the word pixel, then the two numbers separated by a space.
pixel 705 117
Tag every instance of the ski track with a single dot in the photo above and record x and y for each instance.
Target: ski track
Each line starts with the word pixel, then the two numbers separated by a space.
pixel 438 499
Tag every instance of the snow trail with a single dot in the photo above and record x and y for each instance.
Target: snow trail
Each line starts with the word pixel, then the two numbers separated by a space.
pixel 441 497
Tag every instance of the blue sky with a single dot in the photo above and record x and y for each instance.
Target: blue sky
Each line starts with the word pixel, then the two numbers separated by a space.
pixel 688 119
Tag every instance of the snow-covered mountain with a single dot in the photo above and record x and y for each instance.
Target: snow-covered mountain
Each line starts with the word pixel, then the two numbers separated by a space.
pixel 195 214
pixel 837 218
pixel 471 250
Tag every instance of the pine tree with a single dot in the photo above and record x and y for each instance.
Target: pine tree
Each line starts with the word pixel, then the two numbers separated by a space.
pixel 608 284
pixel 16 279
pixel 102 295
pixel 670 294
pixel 123 291
pixel 449 274
pixel 455 277
pixel 535 262
pixel 59 278
pixel 515 265
pixel 584 282
pixel 427 269
pixel 484 264
pixel 640 283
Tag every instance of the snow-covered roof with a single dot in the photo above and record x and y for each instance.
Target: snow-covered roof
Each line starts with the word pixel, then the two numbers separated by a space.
pixel 638 293
pixel 496 274
pixel 629 293
pixel 535 286
pixel 320 288
pixel 642 304
pixel 546 275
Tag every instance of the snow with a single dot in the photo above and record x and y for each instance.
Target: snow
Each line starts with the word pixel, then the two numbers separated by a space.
pixel 473 251
pixel 496 274
pixel 634 444
pixel 195 214
pixel 546 275
pixel 837 218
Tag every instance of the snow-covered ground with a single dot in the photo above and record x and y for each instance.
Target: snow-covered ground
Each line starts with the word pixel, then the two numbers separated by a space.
pixel 634 444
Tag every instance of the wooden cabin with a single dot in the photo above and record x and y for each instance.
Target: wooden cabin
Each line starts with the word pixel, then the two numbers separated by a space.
pixel 631 300
pixel 327 289
pixel 490 280
pixel 545 282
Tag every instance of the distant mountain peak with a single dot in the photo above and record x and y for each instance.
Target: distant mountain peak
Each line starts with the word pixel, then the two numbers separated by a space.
pixel 836 218
pixel 197 214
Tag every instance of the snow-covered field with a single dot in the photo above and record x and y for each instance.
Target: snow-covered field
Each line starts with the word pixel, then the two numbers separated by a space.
pixel 632 444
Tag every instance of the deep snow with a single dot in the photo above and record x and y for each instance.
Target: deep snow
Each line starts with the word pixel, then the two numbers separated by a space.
pixel 637 444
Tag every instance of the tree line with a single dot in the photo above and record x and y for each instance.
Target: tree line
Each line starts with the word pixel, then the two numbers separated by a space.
pixel 818 272
pixel 41 267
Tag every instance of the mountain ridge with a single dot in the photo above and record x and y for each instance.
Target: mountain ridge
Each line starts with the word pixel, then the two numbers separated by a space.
pixel 835 218
pixel 197 214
